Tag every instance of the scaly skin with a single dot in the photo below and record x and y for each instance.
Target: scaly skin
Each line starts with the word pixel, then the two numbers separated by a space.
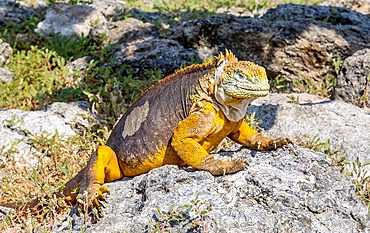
pixel 180 121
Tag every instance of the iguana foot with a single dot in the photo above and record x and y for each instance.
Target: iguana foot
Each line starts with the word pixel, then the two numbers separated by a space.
pixel 102 167
pixel 259 142
pixel 222 166
pixel 91 198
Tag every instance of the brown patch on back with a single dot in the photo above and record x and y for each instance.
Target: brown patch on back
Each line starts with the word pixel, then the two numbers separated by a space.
pixel 135 119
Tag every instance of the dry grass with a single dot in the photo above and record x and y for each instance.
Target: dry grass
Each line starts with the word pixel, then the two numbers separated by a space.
pixel 58 161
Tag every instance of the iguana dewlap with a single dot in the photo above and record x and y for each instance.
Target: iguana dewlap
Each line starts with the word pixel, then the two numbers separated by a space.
pixel 179 121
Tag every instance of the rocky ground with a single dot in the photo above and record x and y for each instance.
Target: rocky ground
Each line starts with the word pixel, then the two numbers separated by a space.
pixel 289 190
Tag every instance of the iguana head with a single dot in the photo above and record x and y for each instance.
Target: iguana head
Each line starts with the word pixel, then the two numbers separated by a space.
pixel 235 84
pixel 240 79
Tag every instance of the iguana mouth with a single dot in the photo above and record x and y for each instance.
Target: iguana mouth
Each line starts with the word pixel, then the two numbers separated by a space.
pixel 247 93
pixel 250 91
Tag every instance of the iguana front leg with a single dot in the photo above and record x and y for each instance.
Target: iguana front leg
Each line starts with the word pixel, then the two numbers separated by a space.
pixel 102 167
pixel 249 137
pixel 192 132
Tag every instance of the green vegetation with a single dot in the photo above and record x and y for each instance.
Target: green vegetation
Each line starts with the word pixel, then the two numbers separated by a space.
pixel 176 214
pixel 364 99
pixel 322 88
pixel 41 76
pixel 361 180
pixel 210 6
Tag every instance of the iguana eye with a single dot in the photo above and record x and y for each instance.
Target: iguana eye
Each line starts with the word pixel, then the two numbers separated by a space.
pixel 241 75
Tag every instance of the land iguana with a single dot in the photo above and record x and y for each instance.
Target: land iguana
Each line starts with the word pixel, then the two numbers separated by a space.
pixel 179 121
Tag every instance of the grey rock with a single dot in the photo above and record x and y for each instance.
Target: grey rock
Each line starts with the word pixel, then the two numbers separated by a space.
pixel 5 75
pixel 17 127
pixel 70 20
pixel 288 190
pixel 298 98
pixel 163 54
pixel 110 8
pixel 79 65
pixel 237 11
pixel 12 11
pixel 36 4
pixel 242 35
pixel 337 16
pixel 99 31
pixel 241 11
pixel 345 125
pixel 152 17
pixel 73 114
pixel 131 31
pixel 362 6
pixel 353 81
pixel 4 211
pixel 5 52
pixel 295 41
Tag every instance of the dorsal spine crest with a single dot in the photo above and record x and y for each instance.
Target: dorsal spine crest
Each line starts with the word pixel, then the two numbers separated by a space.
pixel 229 56
pixel 217 60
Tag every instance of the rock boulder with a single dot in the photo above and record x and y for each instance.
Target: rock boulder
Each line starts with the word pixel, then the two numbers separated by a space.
pixel 353 81
pixel 288 190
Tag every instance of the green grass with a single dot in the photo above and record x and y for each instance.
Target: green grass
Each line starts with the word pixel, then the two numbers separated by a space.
pixel 38 75
pixel 209 5
pixel 41 76
pixel 322 88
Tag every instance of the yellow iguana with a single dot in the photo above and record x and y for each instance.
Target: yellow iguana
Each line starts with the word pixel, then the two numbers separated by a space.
pixel 179 121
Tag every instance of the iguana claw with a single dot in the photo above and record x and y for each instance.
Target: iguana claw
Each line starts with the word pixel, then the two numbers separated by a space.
pixel 90 200
pixel 259 142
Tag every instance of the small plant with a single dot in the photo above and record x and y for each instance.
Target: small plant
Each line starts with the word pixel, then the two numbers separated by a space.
pixel 280 84
pixel 225 144
pixel 201 208
pixel 20 36
pixel 110 91
pixel 317 144
pixel 177 214
pixel 361 180
pixel 294 100
pixel 82 200
pixel 322 88
pixel 75 2
pixel 253 121
pixel 255 6
pixel 168 217
pixel 337 64
pixel 363 101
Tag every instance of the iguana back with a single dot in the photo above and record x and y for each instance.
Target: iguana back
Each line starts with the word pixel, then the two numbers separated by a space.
pixel 148 124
